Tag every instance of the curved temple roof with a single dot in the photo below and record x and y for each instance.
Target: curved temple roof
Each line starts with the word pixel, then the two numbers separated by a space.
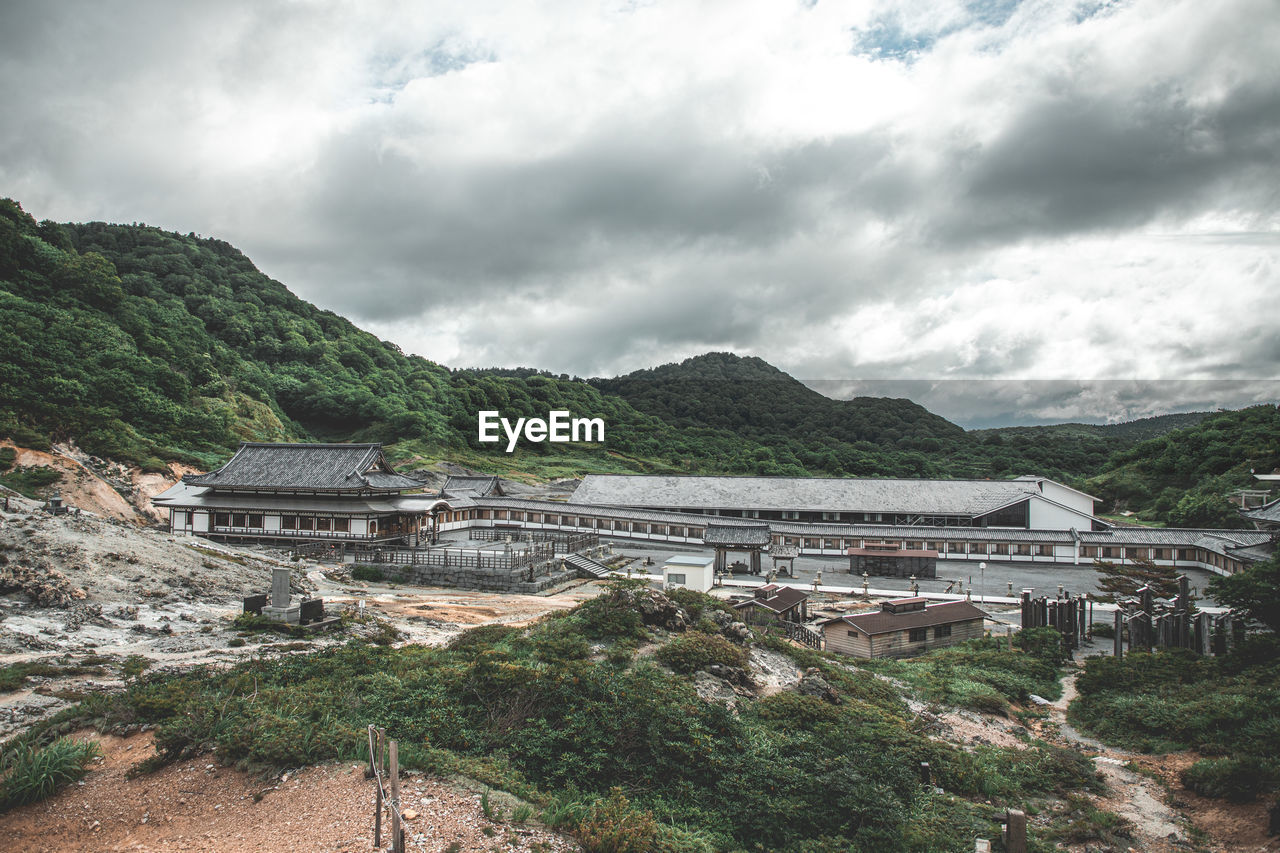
pixel 307 467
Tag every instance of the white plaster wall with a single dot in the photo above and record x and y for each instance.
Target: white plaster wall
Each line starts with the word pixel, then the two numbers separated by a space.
pixel 200 521
pixel 1070 497
pixel 271 523
pixel 1045 516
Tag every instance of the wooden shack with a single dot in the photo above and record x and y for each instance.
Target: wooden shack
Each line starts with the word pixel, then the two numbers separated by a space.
pixel 774 603
pixel 903 627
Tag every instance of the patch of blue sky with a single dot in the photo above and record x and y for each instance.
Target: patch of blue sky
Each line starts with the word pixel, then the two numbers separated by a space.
pixel 390 73
pixel 889 37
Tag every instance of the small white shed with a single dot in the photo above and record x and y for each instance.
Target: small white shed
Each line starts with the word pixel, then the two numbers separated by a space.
pixel 689 571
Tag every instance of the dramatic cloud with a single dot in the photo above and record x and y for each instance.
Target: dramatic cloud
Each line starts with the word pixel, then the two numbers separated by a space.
pixel 900 190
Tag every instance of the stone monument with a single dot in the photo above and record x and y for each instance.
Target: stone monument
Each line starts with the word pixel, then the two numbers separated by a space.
pixel 281 608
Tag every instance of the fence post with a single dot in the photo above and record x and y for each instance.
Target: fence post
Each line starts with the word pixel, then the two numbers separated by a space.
pixel 1015 831
pixel 1117 643
pixel 397 833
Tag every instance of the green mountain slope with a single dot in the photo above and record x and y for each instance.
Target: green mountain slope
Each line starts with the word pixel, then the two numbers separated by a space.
pixel 1182 477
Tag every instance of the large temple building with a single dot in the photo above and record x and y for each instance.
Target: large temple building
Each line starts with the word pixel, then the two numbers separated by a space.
pixel 302 492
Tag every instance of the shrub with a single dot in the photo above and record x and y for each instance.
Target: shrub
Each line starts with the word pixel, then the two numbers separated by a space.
pixel 696 650
pixel 1105 630
pixel 613 825
pixel 367 573
pixel 32 774
pixel 1239 780
pixel 609 617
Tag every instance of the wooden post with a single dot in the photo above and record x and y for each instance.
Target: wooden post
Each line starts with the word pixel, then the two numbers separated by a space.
pixel 1015 831
pixel 925 777
pixel 397 833
pixel 1117 642
pixel 372 770
pixel 377 813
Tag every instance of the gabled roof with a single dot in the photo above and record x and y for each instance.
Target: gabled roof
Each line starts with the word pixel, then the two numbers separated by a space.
pixel 307 467
pixel 831 494
pixel 883 622
pixel 777 598
pixel 471 487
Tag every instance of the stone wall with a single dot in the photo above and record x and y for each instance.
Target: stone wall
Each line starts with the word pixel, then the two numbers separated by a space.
pixel 483 580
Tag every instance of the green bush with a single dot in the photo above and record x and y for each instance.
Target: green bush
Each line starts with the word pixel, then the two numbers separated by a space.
pixel 7 455
pixel 695 650
pixel 1239 780
pixel 613 825
pixel 1103 630
pixel 32 774
pixel 367 573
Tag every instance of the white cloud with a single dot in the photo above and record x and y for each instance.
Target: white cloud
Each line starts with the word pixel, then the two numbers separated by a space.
pixel 904 189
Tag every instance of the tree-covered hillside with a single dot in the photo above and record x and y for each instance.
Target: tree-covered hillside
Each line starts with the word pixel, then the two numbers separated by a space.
pixel 1182 478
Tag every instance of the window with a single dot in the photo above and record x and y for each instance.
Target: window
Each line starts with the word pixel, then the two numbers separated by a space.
pixel 675 578
pixel 918 635
pixel 517 516
pixel 373 527
pixel 323 524
pixel 553 519
pixel 831 516
pixel 999 548
pixel 237 519
pixel 639 527
pixel 695 532
pixel 1135 553
pixel 915 546
pixel 853 633
pixel 306 522
pixel 941 631
pixel 221 519
pixel 659 530
pixel 1044 550
pixel 289 522
pixel 621 525
pixel 1024 550
pixel 341 525
pixel 255 520
pixel 791 515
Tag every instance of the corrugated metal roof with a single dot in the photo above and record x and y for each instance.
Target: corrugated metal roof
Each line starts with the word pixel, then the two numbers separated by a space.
pixel 882 622
pixel 814 494
pixel 779 599
pixel 305 467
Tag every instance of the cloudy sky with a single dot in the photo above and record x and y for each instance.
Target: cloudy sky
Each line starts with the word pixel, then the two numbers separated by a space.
pixel 931 191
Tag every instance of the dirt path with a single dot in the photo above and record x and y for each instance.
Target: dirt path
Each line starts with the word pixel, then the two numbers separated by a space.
pixel 200 806
pixel 1143 800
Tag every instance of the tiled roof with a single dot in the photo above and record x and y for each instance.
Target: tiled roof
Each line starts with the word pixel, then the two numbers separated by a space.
pixel 480 486
pixel 882 622
pixel 306 467
pixel 186 496
pixel 756 535
pixel 927 497
pixel 1269 512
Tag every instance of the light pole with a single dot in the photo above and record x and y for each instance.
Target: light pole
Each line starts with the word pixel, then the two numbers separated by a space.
pixel 982 583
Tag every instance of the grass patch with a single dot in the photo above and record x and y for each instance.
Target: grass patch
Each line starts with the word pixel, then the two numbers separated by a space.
pixel 1226 708
pixel 33 773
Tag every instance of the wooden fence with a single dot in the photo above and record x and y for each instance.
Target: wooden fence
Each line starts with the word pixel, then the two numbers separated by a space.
pixel 384 765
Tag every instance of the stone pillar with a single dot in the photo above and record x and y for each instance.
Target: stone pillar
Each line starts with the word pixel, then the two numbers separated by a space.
pixel 280 587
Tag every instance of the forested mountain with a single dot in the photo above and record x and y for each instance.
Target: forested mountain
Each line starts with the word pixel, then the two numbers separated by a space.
pixel 147 346
pixel 1181 477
